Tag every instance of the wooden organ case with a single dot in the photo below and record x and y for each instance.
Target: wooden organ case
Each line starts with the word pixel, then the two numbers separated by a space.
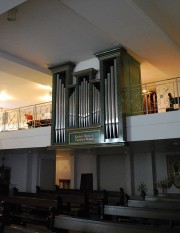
pixel 91 110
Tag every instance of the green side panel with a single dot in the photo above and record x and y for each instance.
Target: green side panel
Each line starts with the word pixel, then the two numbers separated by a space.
pixel 132 93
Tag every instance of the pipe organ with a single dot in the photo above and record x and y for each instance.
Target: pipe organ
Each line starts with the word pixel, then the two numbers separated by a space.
pixel 90 110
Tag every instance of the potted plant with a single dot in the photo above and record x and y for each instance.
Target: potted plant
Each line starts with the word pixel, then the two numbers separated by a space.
pixel 142 188
pixel 164 185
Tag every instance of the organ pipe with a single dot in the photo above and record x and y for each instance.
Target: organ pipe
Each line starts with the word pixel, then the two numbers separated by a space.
pixel 60 111
pixel 72 109
pixel 111 104
pixel 84 114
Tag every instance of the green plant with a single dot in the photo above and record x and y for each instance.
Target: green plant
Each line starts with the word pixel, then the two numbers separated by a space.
pixel 164 184
pixel 142 187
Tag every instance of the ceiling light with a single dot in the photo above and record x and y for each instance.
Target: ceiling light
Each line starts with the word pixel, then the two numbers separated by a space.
pixel 4 96
pixel 175 143
pixel 12 14
pixel 47 97
pixel 45 87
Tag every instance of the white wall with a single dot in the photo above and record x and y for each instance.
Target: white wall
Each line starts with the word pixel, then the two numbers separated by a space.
pixel 47 173
pixel 35 137
pixel 64 166
pixel 18 164
pixel 153 126
pixel 111 168
pixel 85 162
pixel 113 172
pixel 143 172
pixel 26 167
pixel 91 63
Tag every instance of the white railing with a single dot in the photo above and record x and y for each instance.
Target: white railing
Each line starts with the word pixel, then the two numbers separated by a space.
pixel 152 97
pixel 15 119
pixel 141 99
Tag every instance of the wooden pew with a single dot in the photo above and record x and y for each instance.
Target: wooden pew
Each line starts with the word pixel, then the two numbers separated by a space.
pixel 168 197
pixel 93 198
pixel 136 213
pixel 57 190
pixel 89 203
pixel 51 196
pixel 73 202
pixel 97 226
pixel 94 201
pixel 4 216
pixel 1 218
pixel 155 204
pixel 117 197
pixel 31 210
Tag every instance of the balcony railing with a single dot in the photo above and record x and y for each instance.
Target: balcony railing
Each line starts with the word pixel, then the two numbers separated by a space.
pixel 142 99
pixel 152 97
pixel 15 119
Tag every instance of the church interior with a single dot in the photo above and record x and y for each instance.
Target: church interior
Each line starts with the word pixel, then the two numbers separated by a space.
pixel 101 152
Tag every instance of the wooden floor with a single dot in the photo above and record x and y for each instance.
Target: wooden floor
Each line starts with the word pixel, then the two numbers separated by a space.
pixel 29 229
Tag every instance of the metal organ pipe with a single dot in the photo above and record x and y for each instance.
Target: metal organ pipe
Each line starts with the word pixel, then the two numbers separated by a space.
pixel 111 103
pixel 79 105
pixel 116 100
pixel 72 109
pixel 84 115
pixel 62 115
pixel 106 110
pixel 57 110
pixel 60 111
pixel 93 105
pixel 70 113
pixel 88 112
pixel 96 105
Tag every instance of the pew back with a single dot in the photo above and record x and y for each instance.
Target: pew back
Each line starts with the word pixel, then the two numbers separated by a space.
pixel 154 204
pixel 167 216
pixel 96 226
pixel 23 210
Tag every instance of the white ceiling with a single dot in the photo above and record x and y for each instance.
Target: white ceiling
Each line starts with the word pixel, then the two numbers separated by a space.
pixel 50 32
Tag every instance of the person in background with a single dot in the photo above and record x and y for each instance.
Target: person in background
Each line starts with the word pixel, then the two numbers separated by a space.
pixel 171 100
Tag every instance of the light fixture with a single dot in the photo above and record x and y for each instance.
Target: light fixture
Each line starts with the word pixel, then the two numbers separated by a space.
pixel 4 96
pixel 175 143
pixel 45 87
pixel 47 97
pixel 12 14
